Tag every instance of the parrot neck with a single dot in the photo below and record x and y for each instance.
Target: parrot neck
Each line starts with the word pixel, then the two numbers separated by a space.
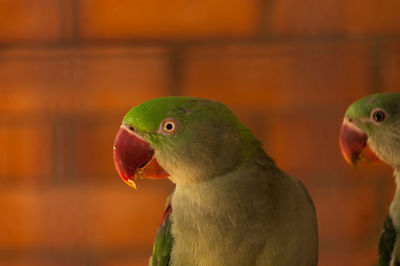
pixel 220 166
pixel 230 190
pixel 395 205
pixel 234 215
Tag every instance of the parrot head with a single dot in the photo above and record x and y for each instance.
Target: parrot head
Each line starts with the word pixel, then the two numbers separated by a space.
pixel 371 130
pixel 188 140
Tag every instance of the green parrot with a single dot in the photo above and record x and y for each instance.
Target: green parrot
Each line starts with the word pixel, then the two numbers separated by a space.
pixel 371 133
pixel 231 205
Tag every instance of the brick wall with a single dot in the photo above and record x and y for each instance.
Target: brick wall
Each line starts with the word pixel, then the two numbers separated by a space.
pixel 70 69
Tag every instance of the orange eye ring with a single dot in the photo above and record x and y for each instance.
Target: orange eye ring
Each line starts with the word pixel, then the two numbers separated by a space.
pixel 169 126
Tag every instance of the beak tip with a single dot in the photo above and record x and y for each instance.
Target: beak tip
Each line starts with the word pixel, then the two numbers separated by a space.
pixel 131 183
pixel 353 163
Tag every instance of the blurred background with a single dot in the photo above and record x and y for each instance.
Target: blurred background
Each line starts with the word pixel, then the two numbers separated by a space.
pixel 70 70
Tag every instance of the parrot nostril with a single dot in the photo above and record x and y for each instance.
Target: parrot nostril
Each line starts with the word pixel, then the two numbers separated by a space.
pixel 131 128
pixel 350 120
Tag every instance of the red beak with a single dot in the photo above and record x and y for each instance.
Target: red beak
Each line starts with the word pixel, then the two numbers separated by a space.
pixel 133 157
pixel 354 145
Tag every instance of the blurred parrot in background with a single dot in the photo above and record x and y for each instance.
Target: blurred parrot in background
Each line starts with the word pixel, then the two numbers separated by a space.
pixel 371 133
pixel 232 205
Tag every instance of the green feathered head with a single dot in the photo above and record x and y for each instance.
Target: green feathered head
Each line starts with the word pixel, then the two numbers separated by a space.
pixel 188 139
pixel 371 130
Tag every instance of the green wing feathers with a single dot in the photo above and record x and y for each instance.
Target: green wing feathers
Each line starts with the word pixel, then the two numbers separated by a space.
pixel 163 241
pixel 386 242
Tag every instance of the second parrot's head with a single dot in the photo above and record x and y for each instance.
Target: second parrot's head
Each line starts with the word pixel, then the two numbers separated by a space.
pixel 371 130
pixel 189 140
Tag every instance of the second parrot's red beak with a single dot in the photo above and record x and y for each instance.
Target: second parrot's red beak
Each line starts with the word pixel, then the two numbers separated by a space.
pixel 134 157
pixel 354 145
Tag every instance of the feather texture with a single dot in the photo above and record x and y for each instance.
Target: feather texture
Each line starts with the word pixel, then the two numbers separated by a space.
pixel 163 241
pixel 386 242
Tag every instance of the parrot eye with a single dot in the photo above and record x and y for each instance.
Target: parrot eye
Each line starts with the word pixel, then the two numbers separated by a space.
pixel 378 116
pixel 169 126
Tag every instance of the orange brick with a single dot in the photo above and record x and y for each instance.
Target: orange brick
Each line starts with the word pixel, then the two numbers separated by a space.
pixel 278 76
pixel 30 21
pixel 306 143
pixel 373 18
pixel 98 218
pixel 94 141
pixel 19 210
pixel 30 83
pixel 308 17
pixel 119 78
pixel 36 259
pixel 126 262
pixel 348 255
pixel 352 18
pixel 124 19
pixel 382 180
pixel 347 212
pixel 391 67
pixel 26 151
pixel 82 79
pixel 125 217
pixel 33 262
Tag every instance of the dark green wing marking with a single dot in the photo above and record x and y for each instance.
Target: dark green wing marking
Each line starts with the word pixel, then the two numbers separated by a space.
pixel 163 241
pixel 386 242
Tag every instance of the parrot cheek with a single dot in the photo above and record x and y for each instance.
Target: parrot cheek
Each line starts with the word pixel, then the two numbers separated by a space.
pixel 368 155
pixel 152 170
pixel 354 145
pixel 133 157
